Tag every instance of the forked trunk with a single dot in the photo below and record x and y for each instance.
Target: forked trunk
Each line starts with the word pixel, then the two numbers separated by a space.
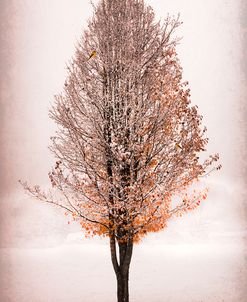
pixel 121 267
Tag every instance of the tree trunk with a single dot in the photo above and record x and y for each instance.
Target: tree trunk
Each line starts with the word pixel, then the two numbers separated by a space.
pixel 123 287
pixel 121 267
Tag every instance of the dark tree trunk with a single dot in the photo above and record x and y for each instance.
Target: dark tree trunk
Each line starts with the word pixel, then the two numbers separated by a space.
pixel 123 287
pixel 121 267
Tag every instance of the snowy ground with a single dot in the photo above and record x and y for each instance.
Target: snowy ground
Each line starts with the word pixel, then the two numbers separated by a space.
pixel 159 272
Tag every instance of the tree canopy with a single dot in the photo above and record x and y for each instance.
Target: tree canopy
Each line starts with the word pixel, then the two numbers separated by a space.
pixel 128 138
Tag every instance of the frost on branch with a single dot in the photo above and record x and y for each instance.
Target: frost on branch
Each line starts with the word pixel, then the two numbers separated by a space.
pixel 128 139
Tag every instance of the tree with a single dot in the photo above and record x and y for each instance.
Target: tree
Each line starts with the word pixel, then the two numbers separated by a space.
pixel 128 138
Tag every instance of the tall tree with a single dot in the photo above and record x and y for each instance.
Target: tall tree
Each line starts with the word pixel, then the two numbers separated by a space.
pixel 128 138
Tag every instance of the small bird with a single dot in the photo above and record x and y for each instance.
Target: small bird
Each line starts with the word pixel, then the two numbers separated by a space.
pixel 178 147
pixel 93 54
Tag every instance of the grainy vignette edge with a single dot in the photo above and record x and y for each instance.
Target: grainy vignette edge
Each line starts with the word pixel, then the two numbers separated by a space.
pixel 243 131
pixel 6 64
pixel 5 67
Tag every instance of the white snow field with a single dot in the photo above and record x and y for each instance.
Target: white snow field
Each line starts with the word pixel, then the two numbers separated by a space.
pixel 159 272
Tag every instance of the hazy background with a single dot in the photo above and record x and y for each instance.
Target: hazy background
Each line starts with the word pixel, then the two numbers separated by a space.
pixel 200 257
